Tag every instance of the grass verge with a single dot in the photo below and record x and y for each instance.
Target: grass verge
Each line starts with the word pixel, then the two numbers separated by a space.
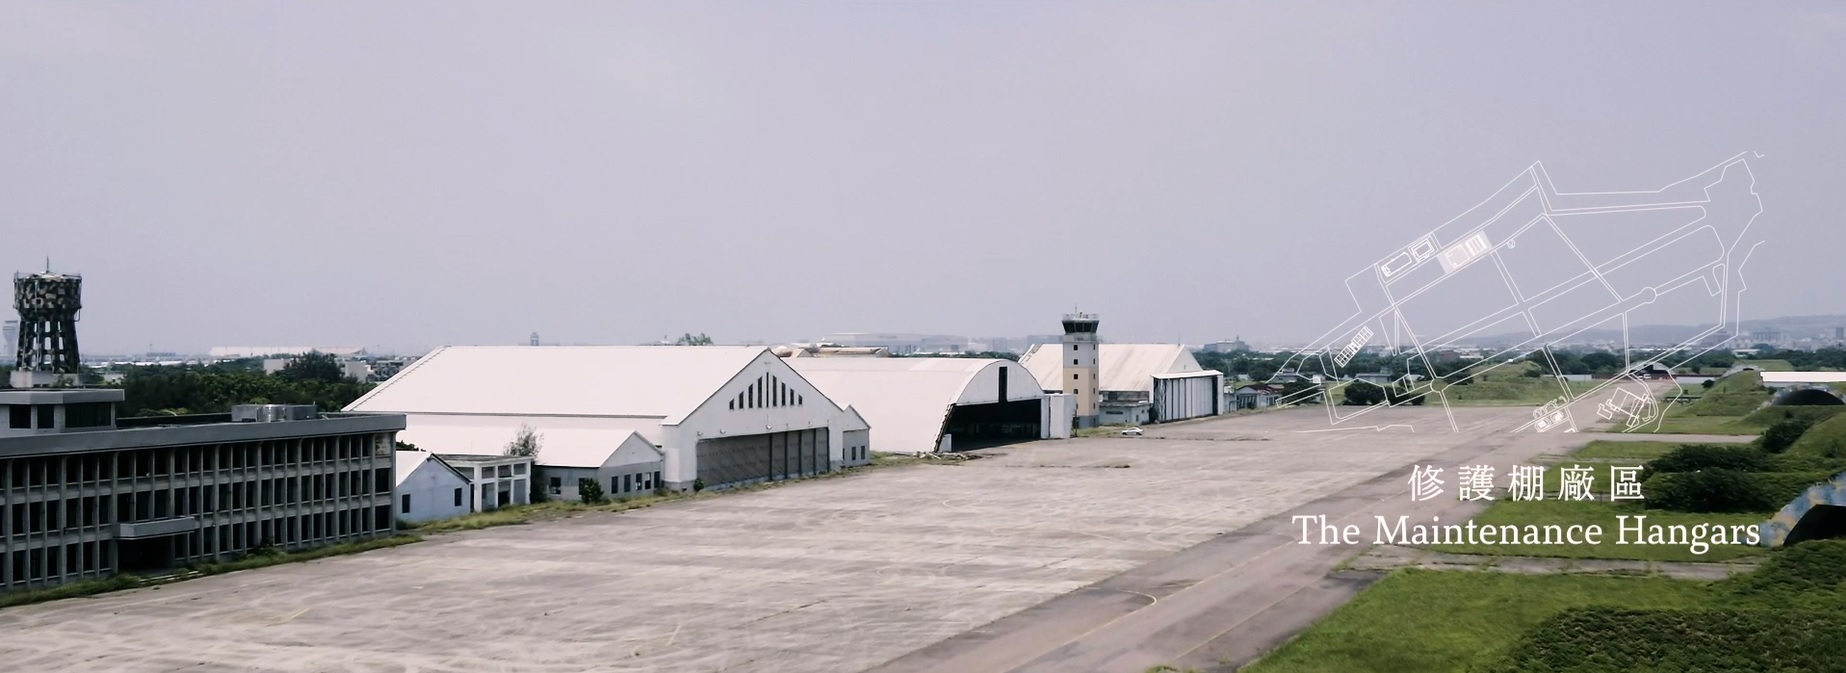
pixel 1436 621
pixel 557 509
pixel 1603 449
pixel 71 590
pixel 1706 425
pixel 265 559
pixel 253 560
pixel 1456 621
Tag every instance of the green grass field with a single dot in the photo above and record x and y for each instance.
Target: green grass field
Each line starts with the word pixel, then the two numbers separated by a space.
pixel 1511 385
pixel 1825 440
pixel 1471 621
pixel 1603 449
pixel 1436 622
pixel 1706 425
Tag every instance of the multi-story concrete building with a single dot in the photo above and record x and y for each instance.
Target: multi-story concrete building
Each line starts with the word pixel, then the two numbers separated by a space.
pixel 82 497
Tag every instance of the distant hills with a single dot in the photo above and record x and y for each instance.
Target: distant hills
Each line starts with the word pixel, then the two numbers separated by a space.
pixel 1789 329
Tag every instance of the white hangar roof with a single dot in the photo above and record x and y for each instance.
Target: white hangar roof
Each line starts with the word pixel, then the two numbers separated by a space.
pixel 906 401
pixel 563 441
pixel 1120 367
pixel 662 382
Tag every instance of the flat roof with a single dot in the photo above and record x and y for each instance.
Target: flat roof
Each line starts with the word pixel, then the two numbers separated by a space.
pixel 1786 378
pixel 112 439
pixel 477 459
pixel 60 395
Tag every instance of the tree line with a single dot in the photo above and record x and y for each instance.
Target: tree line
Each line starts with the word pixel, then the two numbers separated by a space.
pixel 163 390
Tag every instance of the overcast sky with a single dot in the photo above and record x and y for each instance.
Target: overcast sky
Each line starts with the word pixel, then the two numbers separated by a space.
pixel 412 174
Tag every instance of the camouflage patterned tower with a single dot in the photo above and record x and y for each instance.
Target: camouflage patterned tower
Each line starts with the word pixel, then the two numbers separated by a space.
pixel 48 304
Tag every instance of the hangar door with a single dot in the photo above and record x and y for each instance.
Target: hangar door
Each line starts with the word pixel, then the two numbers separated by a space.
pixel 972 426
pixel 766 457
pixel 1186 397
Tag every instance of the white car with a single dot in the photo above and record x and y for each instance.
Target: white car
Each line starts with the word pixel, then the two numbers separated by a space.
pixel 1131 432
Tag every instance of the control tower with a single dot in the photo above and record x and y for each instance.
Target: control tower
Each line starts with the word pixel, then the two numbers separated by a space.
pixel 48 304
pixel 1080 375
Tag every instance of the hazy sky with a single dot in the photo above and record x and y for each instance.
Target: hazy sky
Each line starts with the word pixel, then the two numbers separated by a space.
pixel 412 174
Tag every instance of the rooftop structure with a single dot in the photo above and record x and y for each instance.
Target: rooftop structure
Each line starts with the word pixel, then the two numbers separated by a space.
pixel 48 305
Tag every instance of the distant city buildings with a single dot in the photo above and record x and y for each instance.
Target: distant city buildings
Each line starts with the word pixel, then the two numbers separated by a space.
pixel 1235 345
pixel 9 331
pixel 239 352
pixel 899 343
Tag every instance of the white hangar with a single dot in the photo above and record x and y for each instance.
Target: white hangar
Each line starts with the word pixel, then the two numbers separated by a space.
pixel 1137 383
pixel 642 416
pixel 921 405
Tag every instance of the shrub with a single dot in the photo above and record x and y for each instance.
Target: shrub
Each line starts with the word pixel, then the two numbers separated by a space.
pixel 1709 383
pixel 1720 490
pixel 1694 457
pixel 1362 393
pixel 589 491
pixel 698 484
pixel 1713 490
pixel 1781 487
pixel 1709 641
pixel 1783 434
pixel 1768 416
pixel 1813 571
pixel 1825 439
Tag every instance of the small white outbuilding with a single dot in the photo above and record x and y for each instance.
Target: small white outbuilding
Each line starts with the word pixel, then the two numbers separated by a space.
pixel 428 489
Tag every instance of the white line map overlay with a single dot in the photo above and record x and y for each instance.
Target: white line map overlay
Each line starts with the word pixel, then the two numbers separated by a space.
pixel 1550 266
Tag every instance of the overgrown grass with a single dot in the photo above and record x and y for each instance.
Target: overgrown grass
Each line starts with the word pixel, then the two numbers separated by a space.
pixel 1603 449
pixel 1511 385
pixel 1735 395
pixel 1826 439
pixel 1442 621
pixel 71 590
pixel 1718 640
pixel 555 509
pixel 1454 621
pixel 1768 416
pixel 1706 425
pixel 1784 616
